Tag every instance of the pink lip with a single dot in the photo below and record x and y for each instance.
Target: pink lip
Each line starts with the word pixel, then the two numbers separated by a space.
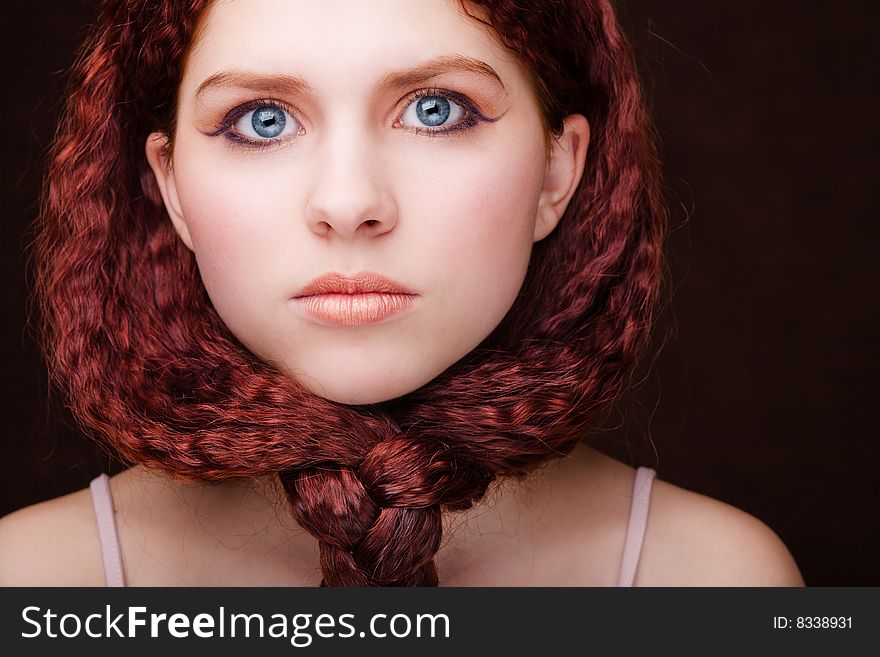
pixel 357 300
pixel 334 283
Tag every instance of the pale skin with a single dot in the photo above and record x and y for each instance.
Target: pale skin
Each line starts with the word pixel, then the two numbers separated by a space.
pixel 454 217
pixel 356 182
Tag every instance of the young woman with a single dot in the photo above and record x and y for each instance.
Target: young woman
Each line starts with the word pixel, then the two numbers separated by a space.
pixel 350 286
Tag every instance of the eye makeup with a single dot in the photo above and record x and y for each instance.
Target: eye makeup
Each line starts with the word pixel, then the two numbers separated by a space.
pixel 226 125
pixel 471 116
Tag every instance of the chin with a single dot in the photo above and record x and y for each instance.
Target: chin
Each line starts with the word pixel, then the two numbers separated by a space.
pixel 361 399
pixel 366 391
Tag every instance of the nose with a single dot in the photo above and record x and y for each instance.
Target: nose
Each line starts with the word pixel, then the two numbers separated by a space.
pixel 351 195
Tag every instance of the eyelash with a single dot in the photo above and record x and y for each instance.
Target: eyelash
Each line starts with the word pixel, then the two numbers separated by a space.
pixel 472 116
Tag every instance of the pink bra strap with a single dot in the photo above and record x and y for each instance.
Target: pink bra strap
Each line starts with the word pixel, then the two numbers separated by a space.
pixel 114 574
pixel 638 520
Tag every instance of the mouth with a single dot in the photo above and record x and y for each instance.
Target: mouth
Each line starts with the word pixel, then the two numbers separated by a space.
pixel 362 299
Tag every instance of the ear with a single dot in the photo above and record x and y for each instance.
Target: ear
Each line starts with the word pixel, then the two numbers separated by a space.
pixel 158 155
pixel 565 166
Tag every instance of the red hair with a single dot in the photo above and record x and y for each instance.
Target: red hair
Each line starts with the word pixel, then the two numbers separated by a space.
pixel 150 370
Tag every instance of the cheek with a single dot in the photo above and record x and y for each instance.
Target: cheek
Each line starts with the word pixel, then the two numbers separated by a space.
pixel 234 221
pixel 483 206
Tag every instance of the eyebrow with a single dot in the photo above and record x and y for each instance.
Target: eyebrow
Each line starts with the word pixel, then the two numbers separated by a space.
pixel 293 84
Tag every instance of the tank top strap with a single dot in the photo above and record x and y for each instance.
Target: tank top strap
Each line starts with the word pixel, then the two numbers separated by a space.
pixel 102 500
pixel 638 520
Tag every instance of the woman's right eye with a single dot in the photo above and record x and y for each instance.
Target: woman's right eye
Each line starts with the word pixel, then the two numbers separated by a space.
pixel 261 125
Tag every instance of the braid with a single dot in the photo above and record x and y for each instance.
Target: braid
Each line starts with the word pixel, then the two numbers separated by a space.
pixel 380 524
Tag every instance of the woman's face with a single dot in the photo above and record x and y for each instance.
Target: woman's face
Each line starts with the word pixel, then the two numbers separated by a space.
pixel 349 137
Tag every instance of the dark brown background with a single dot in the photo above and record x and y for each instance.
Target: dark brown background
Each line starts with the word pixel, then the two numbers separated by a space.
pixel 763 395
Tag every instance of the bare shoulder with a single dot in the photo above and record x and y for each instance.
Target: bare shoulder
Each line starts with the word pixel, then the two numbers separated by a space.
pixel 694 540
pixel 53 543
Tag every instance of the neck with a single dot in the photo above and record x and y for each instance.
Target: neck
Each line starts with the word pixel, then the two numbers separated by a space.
pixel 249 521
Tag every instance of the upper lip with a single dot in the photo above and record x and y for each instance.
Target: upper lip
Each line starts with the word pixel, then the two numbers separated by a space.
pixel 361 283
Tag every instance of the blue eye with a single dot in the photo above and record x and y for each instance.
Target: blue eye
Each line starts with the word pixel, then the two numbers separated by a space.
pixel 261 123
pixel 268 122
pixel 434 111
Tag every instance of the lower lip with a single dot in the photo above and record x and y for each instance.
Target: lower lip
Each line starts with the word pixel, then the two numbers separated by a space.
pixel 353 309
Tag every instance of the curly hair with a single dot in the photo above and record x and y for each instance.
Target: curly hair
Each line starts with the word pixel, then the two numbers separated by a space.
pixel 151 372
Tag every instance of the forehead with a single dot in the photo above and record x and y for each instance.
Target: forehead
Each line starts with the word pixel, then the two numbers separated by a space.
pixel 339 43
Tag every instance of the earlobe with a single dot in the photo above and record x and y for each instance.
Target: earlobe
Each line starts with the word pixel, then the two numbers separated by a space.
pixel 565 168
pixel 160 162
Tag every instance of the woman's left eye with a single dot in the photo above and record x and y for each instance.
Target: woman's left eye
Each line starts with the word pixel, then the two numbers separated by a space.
pixel 435 111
